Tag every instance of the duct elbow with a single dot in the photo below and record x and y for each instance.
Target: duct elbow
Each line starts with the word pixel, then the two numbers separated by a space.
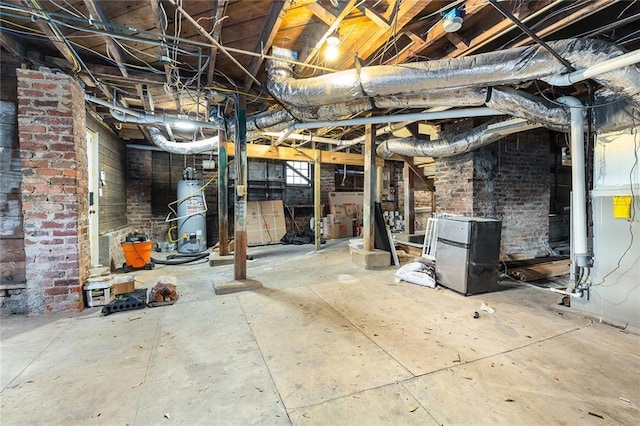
pixel 183 148
pixel 383 150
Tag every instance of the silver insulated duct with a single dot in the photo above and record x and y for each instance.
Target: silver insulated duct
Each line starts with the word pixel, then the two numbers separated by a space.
pixel 468 81
pixel 452 144
pixel 184 148
pixel 505 67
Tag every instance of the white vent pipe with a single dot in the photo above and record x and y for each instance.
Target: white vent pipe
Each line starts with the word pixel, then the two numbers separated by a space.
pixel 578 186
pixel 595 70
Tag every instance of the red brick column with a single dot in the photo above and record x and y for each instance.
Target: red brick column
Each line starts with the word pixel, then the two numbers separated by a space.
pixel 52 138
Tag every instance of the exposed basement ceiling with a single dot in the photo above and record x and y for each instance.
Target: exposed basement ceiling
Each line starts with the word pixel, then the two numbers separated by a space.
pixel 181 58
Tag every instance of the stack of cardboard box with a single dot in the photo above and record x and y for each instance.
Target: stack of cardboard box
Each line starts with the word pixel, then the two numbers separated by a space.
pixel 265 222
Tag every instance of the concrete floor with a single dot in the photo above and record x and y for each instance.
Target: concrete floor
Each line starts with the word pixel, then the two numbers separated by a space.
pixel 324 342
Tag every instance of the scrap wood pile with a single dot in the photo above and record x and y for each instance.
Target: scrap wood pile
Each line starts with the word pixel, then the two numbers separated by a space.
pixel 537 269
pixel 164 292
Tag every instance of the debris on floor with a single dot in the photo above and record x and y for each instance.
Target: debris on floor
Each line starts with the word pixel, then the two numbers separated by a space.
pixel 536 269
pixel 164 292
pixel 136 299
pixel 487 308
pixel 308 236
pixel 417 273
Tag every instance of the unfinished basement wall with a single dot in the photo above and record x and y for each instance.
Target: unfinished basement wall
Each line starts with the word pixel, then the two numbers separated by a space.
pixel 13 293
pixel 139 178
pixel 52 141
pixel 511 183
pixel 112 198
pixel 454 184
pixel 507 180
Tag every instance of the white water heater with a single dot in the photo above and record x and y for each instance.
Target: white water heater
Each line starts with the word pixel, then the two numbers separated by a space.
pixel 192 211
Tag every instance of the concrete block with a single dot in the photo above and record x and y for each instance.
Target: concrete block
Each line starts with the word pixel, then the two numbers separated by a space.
pixel 216 260
pixel 235 286
pixel 376 259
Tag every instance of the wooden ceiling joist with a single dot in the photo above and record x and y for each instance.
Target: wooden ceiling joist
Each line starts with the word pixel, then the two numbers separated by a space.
pixel 300 154
pixel 269 31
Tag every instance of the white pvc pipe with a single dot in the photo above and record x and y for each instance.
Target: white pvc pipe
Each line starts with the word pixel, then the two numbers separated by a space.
pixel 456 113
pixel 595 70
pixel 398 118
pixel 578 186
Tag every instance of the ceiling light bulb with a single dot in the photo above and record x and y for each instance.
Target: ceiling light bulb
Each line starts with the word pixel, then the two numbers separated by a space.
pixel 332 52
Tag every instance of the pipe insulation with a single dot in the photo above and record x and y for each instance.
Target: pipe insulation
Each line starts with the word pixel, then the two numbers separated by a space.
pixel 452 144
pixel 510 67
pixel 183 148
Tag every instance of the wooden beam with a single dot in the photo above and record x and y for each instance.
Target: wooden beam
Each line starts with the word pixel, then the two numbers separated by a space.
pixel 60 43
pixel 456 40
pixel 158 16
pixel 410 163
pixel 269 31
pixel 321 13
pixel 375 17
pixel 317 190
pixel 369 206
pixel 240 206
pixel 409 208
pixel 54 35
pixel 308 54
pixel 206 35
pixel 586 10
pixel 502 28
pixel 11 44
pixel 97 12
pixel 301 154
pixel 435 33
pixel 404 13
pixel 219 8
pixel 223 198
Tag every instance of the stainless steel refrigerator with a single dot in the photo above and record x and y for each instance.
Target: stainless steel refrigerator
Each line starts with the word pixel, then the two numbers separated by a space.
pixel 467 254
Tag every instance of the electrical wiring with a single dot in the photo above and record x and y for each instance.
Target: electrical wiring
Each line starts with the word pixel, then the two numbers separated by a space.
pixel 626 8
pixel 75 11
pixel 585 107
pixel 60 37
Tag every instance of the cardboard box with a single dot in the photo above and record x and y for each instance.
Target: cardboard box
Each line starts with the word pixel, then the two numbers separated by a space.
pixel 121 288
pixel 340 211
pixel 339 228
pixel 265 222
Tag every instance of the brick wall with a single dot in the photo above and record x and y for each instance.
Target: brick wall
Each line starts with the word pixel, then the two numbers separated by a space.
pixel 52 140
pixel 139 169
pixel 511 182
pixel 327 181
pixel 454 184
pixel 507 180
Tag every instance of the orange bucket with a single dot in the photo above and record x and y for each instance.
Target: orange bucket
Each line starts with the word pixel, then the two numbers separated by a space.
pixel 137 254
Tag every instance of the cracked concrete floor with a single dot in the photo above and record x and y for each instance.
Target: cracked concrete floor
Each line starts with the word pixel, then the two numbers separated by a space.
pixel 324 342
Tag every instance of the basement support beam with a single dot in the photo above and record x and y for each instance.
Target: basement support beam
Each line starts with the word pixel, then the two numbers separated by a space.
pixel 317 189
pixel 240 208
pixel 223 197
pixel 369 206
pixel 379 182
pixel 409 210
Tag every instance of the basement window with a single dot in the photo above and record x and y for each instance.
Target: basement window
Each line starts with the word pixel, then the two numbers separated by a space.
pixel 298 173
